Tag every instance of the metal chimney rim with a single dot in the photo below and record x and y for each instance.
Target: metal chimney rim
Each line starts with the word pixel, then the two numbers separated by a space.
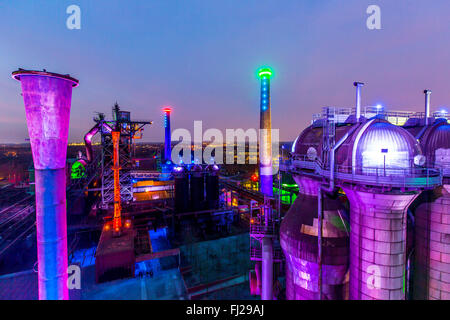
pixel 16 75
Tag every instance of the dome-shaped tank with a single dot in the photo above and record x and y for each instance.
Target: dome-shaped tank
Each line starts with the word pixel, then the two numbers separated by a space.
pixel 298 237
pixel 436 145
pixel 432 222
pixel 382 145
pixel 309 143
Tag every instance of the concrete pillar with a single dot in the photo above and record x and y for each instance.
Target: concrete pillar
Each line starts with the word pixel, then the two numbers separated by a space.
pixel 267 269
pixel 432 248
pixel 51 230
pixel 377 244
pixel 47 98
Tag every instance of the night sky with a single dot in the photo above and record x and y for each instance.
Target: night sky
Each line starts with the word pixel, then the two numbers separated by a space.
pixel 201 57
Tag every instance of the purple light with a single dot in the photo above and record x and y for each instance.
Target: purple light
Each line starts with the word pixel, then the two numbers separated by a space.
pixel 47 98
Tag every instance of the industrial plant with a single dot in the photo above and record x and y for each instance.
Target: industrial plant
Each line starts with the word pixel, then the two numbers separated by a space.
pixel 358 210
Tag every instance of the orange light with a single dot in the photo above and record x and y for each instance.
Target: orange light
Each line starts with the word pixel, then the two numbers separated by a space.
pixel 107 227
pixel 117 220
pixel 252 221
pixel 167 109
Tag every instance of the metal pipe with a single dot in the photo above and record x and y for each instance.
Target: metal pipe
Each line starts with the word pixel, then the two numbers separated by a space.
pixel 319 239
pixel 427 114
pixel 267 269
pixel 47 98
pixel 358 86
pixel 88 138
pixel 427 106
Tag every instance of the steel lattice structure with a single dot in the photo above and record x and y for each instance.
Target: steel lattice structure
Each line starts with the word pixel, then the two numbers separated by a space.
pixel 129 130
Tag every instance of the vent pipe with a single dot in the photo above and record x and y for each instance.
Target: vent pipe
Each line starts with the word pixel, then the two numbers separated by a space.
pixel 427 106
pixel 358 86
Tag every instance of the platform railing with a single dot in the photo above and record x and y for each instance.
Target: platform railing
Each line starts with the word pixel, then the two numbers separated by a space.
pixel 341 113
pixel 262 230
pixel 386 176
pixel 256 254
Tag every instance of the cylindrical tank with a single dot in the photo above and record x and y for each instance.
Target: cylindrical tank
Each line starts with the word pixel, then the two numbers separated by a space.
pixel 299 241
pixel 432 223
pixel 212 186
pixel 197 189
pixel 377 214
pixel 181 189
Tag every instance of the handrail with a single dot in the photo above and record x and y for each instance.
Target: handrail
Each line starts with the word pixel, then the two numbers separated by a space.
pixel 406 177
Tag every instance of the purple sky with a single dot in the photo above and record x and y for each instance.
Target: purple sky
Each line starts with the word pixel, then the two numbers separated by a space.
pixel 201 57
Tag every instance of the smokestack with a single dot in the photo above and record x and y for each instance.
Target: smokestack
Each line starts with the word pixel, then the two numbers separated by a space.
pixel 266 180
pixel 167 135
pixel 47 97
pixel 427 106
pixel 265 142
pixel 358 86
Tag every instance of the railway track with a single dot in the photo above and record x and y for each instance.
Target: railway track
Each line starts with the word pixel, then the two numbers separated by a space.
pixel 17 221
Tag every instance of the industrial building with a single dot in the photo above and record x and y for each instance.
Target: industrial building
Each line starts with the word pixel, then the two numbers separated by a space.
pixel 360 209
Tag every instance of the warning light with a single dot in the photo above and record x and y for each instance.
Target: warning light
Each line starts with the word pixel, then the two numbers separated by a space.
pixel 252 221
pixel 254 178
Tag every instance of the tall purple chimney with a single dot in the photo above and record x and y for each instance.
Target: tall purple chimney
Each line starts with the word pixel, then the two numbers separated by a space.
pixel 47 97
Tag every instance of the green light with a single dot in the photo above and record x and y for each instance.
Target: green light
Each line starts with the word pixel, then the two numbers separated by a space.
pixel 78 171
pixel 264 73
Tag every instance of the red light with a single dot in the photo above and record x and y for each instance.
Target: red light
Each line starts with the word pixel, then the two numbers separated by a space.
pixel 254 178
pixel 167 109
pixel 252 221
